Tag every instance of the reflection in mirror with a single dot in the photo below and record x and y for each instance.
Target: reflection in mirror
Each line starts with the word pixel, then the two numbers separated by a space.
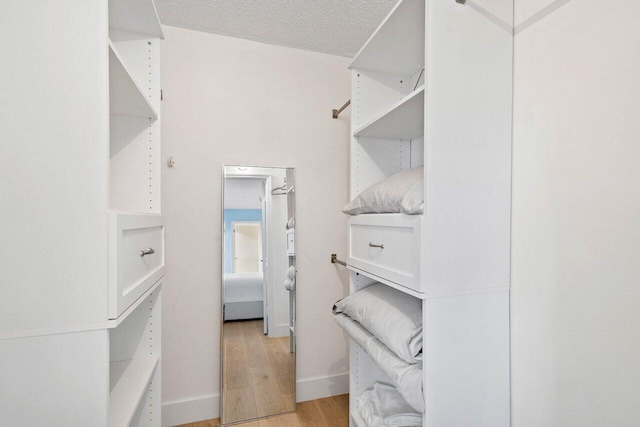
pixel 258 293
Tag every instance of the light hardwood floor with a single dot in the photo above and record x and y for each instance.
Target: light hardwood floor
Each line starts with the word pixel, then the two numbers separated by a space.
pixel 258 372
pixel 329 412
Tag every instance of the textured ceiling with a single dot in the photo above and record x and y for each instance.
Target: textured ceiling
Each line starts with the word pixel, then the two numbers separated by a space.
pixel 337 27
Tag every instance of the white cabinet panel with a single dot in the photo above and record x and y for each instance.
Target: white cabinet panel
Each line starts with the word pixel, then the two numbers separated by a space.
pixel 467 151
pixel 53 183
pixel 466 360
pixel 55 380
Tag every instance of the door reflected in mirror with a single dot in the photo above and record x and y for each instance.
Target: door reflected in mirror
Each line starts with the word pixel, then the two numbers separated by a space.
pixel 246 247
pixel 258 293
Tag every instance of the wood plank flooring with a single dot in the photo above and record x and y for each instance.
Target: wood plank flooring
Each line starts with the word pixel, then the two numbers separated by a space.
pixel 329 412
pixel 258 372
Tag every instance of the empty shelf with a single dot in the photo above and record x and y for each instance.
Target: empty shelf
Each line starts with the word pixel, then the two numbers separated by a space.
pixel 397 45
pixel 128 381
pixel 403 120
pixel 125 96
pixel 135 16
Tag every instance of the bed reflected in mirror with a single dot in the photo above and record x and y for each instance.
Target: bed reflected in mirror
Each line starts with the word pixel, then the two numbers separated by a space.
pixel 258 293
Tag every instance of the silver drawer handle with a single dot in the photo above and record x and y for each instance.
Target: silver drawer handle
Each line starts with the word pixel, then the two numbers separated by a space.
pixel 371 245
pixel 148 251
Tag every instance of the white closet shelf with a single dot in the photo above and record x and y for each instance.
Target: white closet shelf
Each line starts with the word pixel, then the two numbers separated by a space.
pixel 403 120
pixel 397 45
pixel 128 381
pixel 126 98
pixel 394 285
pixel 114 323
pixel 135 16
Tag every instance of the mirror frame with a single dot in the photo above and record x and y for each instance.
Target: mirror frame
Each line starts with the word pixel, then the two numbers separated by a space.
pixel 293 335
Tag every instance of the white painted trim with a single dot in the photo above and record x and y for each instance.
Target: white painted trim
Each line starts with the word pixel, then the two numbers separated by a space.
pixel 280 330
pixel 190 410
pixel 317 388
pixel 208 407
pixel 487 290
pixel 56 330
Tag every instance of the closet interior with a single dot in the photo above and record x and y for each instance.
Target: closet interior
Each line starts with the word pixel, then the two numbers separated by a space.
pixel 80 323
pixel 431 92
pixel 84 329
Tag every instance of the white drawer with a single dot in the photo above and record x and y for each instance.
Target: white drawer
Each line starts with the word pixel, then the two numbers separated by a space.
pixel 136 258
pixel 387 246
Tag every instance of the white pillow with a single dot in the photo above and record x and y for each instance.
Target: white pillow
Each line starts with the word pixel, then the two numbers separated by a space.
pixel 387 196
pixel 413 201
pixel 395 318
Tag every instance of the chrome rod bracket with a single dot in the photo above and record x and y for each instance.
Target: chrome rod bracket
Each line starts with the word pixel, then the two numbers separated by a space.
pixel 335 113
pixel 335 260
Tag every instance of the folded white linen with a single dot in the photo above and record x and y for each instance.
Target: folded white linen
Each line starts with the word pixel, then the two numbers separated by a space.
pixel 394 317
pixel 291 223
pixel 290 280
pixel 407 378
pixel 367 411
pixel 392 408
pixel 383 406
pixel 291 273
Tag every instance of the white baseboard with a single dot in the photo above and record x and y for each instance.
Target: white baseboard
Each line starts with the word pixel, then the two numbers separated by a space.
pixel 317 388
pixel 208 407
pixel 191 410
pixel 281 330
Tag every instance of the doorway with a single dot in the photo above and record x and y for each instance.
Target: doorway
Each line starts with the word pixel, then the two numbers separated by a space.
pixel 247 247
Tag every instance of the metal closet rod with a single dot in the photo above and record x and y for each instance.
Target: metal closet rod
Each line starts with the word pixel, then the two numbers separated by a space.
pixel 336 113
pixel 335 260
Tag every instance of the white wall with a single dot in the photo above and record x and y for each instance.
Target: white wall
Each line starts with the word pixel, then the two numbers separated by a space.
pixel 239 102
pixel 576 214
pixel 243 193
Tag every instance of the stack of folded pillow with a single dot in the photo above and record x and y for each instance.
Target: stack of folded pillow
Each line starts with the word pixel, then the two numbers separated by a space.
pixel 387 324
pixel 399 193
pixel 383 406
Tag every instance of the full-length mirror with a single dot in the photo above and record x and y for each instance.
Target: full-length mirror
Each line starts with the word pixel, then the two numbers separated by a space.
pixel 258 293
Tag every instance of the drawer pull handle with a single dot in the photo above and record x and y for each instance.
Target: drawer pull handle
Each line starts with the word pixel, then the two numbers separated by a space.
pixel 148 251
pixel 372 245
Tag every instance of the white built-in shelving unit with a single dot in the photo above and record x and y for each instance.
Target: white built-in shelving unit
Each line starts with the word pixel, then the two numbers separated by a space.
pixel 432 87
pixel 80 323
pixel 397 45
pixel 126 97
pixel 129 380
pixel 403 120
